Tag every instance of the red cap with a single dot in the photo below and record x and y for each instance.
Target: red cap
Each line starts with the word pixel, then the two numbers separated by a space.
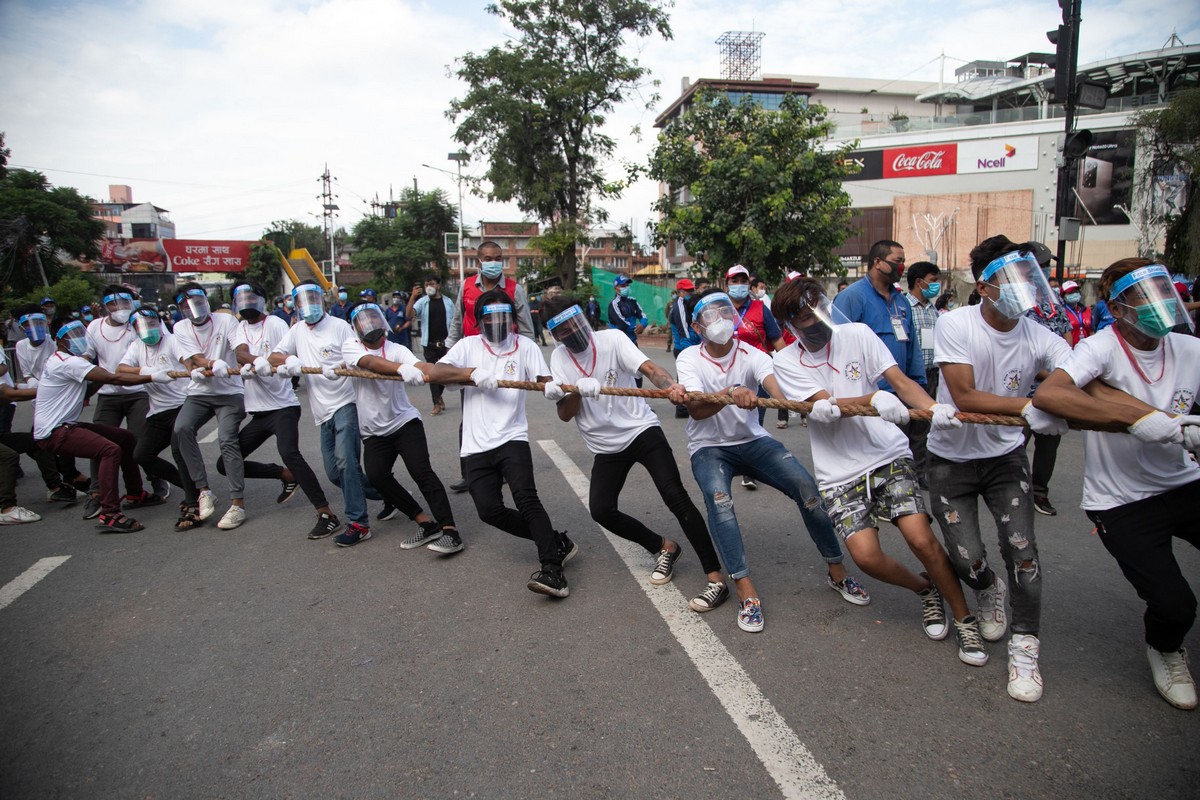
pixel 736 269
pixel 684 285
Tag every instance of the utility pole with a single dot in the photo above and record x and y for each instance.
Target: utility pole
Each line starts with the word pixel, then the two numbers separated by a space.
pixel 1075 146
pixel 329 206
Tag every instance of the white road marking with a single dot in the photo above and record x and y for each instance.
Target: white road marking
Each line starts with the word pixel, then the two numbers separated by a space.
pixel 210 438
pixel 28 579
pixel 787 760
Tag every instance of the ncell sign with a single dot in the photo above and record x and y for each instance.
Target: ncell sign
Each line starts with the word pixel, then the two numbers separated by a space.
pixel 998 155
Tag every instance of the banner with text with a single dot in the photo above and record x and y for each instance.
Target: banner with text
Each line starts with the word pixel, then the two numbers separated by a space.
pixel 169 255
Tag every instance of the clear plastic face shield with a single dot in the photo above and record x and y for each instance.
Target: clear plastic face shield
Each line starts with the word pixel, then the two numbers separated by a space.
pixel 148 326
pixel 571 329
pixel 249 304
pixel 369 323
pixel 1021 282
pixel 1150 303
pixel 816 321
pixel 193 305
pixel 119 306
pixel 75 335
pixel 36 327
pixel 498 326
pixel 716 318
pixel 310 302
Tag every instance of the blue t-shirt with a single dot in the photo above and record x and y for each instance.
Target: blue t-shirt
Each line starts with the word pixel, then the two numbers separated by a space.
pixel 861 303
pixel 395 316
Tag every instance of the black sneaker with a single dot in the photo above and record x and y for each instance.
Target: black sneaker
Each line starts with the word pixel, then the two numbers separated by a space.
pixel 326 526
pixel 713 595
pixel 550 580
pixel 389 511
pixel 448 544
pixel 425 533
pixel 664 567
pixel 64 494
pixel 141 500
pixel 566 548
pixel 1041 504
pixel 82 485
pixel 286 491
pixel 933 613
pixel 92 509
pixel 459 487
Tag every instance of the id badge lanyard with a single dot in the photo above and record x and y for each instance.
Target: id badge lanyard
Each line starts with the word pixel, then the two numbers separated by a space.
pixel 897 323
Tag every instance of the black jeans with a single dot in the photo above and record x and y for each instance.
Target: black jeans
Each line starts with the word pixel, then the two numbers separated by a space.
pixel 114 409
pixel 407 442
pixel 432 356
pixel 1045 455
pixel 12 446
pixel 512 463
pixel 1139 536
pixel 609 472
pixel 284 425
pixel 157 435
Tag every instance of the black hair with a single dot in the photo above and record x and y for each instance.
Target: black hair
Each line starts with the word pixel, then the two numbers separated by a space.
pixel 988 251
pixel 690 303
pixel 554 306
pixel 489 297
pixel 254 287
pixel 182 291
pixel 27 308
pixel 795 294
pixel 919 270
pixel 432 276
pixel 944 299
pixel 57 324
pixel 881 250
pixel 114 288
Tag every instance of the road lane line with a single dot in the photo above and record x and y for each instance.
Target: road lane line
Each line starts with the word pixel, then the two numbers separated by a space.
pixel 789 763
pixel 28 579
pixel 210 438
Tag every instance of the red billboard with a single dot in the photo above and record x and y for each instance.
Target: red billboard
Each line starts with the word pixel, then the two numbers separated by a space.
pixel 170 255
pixel 920 161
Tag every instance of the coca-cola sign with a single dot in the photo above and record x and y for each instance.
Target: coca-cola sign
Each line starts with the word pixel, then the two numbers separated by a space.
pixel 920 161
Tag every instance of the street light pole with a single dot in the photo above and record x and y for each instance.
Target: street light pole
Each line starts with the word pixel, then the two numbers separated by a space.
pixel 458 158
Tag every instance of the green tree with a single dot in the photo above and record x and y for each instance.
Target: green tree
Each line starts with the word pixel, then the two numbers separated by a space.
pixel 1169 139
pixel 289 234
pixel 40 228
pixel 399 251
pixel 761 188
pixel 264 269
pixel 537 104
pixel 70 292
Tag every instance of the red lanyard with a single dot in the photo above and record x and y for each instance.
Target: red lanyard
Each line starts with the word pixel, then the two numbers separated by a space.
pixel 717 364
pixel 516 347
pixel 124 330
pixel 1133 359
pixel 262 328
pixel 825 363
pixel 580 366
pixel 211 332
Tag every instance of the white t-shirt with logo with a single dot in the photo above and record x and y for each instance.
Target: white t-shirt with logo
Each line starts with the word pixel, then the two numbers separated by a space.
pixel 1005 364
pixel 31 359
pixel 851 447
pixel 271 393
pixel 609 424
pixel 320 345
pixel 163 396
pixel 700 372
pixel 60 392
pixel 213 340
pixel 491 419
pixel 106 346
pixel 383 406
pixel 1119 468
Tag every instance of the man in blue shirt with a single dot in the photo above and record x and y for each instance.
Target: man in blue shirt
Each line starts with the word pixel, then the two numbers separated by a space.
pixel 682 335
pixel 341 309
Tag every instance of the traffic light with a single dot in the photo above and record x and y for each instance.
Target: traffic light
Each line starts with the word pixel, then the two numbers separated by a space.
pixel 1064 61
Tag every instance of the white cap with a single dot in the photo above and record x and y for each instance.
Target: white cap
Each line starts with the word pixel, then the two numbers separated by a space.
pixel 736 269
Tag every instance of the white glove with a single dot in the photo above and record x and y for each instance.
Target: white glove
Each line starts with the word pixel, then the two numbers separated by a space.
pixel 1043 423
pixel 160 376
pixel 31 383
pixel 412 376
pixel 484 381
pixel 198 375
pixel 1158 428
pixel 825 411
pixel 293 366
pixel 1191 433
pixel 554 391
pixel 220 369
pixel 330 373
pixel 246 370
pixel 262 367
pixel 890 408
pixel 147 371
pixel 588 388
pixel 943 417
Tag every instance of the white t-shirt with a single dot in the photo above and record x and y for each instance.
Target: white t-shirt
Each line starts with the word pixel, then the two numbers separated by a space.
pixel 106 346
pixel 851 447
pixel 163 396
pixel 491 419
pixel 213 340
pixel 1005 364
pixel 320 345
pixel 60 392
pixel 265 394
pixel 699 372
pixel 7 377
pixel 609 424
pixel 383 406
pixel 31 359
pixel 1119 468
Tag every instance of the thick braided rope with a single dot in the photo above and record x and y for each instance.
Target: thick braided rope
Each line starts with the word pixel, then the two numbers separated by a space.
pixel 722 399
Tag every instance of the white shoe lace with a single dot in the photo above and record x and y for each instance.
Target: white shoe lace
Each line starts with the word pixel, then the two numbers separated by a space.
pixel 663 567
pixel 969 638
pixel 1177 668
pixel 1024 662
pixel 711 593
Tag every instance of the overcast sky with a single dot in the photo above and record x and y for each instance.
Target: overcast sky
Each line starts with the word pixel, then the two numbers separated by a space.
pixel 225 112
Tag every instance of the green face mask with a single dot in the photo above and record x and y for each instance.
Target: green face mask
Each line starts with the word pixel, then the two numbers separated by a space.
pixel 1155 319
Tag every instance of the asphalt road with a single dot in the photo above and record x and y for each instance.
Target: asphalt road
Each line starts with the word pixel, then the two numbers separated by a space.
pixel 257 663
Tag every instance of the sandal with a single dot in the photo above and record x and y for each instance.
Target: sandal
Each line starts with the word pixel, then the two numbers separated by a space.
pixel 189 517
pixel 118 523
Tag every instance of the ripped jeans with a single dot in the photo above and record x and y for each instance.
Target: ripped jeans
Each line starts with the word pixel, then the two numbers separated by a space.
pixel 1003 482
pixel 766 461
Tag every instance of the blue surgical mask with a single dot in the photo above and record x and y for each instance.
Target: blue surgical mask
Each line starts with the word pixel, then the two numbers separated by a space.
pixel 623 291
pixel 491 269
pixel 312 314
pixel 738 291
pixel 342 296
pixel 77 346
pixel 932 290
pixel 1073 298
pixel 88 317
pixel 1013 302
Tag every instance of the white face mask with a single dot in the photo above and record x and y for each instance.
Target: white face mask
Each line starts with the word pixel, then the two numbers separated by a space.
pixel 121 317
pixel 719 332
pixel 430 291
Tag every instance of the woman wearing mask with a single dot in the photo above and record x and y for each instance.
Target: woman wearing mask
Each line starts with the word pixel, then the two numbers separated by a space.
pixel 1078 314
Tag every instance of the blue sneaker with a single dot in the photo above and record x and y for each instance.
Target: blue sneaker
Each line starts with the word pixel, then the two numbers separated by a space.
pixel 750 617
pixel 353 534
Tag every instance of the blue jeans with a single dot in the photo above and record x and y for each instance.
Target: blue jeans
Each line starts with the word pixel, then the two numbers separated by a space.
pixel 766 461
pixel 340 446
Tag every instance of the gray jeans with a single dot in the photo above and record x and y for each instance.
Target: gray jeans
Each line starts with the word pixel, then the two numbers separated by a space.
pixel 1003 482
pixel 230 410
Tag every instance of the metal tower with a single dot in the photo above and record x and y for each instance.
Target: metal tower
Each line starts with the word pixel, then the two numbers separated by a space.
pixel 741 55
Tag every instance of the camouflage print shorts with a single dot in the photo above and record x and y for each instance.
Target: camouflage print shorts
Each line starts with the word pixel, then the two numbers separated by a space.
pixel 892 492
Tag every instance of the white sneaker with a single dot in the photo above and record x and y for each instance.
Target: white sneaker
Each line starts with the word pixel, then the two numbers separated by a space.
pixel 993 622
pixel 749 485
pixel 1172 677
pixel 234 517
pixel 18 516
pixel 208 504
pixel 1024 679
